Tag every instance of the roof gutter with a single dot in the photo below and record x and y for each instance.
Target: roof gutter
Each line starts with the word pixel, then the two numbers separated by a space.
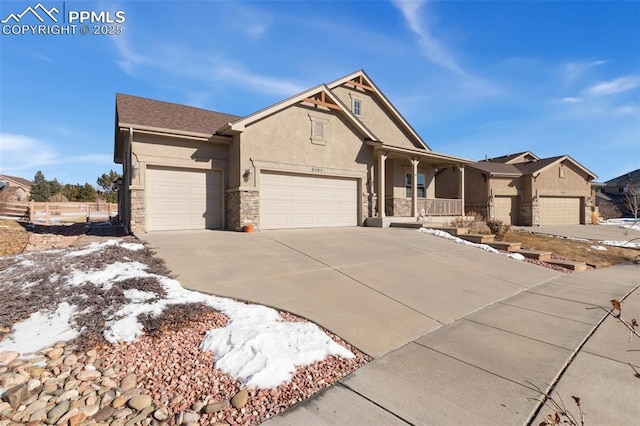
pixel 166 132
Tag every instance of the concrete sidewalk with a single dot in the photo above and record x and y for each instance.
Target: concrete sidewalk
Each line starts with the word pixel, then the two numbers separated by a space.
pixel 482 368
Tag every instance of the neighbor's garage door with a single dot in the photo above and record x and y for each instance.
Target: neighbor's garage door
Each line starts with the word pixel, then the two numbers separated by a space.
pixel 506 209
pixel 297 201
pixel 559 211
pixel 182 199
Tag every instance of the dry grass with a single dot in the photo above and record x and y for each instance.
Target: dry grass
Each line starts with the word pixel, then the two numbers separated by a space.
pixel 574 250
pixel 13 237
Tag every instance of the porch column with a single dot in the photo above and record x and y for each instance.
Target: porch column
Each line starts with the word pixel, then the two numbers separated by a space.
pixel 381 183
pixel 414 186
pixel 461 189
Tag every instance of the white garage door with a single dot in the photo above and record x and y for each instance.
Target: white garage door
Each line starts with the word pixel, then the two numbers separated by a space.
pixel 559 211
pixel 183 199
pixel 297 201
pixel 506 209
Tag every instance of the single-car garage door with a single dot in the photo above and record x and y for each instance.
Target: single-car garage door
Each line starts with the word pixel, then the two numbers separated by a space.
pixel 560 210
pixel 299 201
pixel 506 209
pixel 183 199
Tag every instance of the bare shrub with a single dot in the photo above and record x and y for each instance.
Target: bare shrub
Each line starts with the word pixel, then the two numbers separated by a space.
pixel 609 211
pixel 467 221
pixel 498 228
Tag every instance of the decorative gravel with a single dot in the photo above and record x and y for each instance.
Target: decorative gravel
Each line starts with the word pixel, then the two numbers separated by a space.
pixel 162 377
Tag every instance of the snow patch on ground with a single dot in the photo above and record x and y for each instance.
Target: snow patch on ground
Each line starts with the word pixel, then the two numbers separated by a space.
pixel 136 296
pixel 448 236
pixel 624 244
pixel 94 247
pixel 116 272
pixel 41 330
pixel 623 223
pixel 256 346
pixel 599 248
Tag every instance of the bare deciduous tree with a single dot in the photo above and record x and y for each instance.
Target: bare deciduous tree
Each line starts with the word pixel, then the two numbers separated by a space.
pixel 632 198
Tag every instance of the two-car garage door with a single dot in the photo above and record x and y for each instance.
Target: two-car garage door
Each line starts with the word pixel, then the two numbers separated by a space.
pixel 301 201
pixel 183 199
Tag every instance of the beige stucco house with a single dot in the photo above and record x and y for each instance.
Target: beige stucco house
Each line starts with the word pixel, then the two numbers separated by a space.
pixel 522 189
pixel 338 154
pixel 14 188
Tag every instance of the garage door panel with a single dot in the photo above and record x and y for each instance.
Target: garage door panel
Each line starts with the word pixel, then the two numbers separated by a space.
pixel 506 209
pixel 183 199
pixel 560 210
pixel 298 201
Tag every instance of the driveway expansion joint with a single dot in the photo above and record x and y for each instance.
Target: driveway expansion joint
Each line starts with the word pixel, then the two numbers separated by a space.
pixel 402 419
pixel 359 282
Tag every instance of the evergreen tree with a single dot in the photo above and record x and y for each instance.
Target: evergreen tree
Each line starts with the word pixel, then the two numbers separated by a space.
pixel 40 188
pixel 72 192
pixel 106 181
pixel 88 193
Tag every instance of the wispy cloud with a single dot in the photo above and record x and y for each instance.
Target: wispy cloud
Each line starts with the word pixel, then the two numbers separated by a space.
pixel 619 85
pixel 572 71
pixel 20 152
pixel 39 56
pixel 433 49
pixel 208 67
pixel 627 110
pixel 25 153
pixel 571 100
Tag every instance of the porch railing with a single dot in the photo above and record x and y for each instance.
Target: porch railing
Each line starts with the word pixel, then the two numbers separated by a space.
pixel 440 207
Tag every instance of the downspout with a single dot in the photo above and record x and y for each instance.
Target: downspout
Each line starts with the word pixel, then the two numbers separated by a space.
pixel 127 195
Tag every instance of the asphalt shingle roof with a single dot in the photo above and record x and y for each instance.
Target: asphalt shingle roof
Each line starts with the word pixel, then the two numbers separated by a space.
pixel 20 180
pixel 167 115
pixel 622 180
pixel 496 168
pixel 503 158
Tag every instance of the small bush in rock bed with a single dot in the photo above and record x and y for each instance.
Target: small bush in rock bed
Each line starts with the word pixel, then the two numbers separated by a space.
pixel 472 220
pixel 498 228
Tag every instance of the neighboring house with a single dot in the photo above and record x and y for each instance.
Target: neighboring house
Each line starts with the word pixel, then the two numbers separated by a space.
pixel 522 189
pixel 14 189
pixel 338 154
pixel 613 192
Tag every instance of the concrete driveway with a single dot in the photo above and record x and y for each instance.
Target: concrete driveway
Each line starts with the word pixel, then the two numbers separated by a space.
pixel 376 288
pixel 588 232
pixel 460 336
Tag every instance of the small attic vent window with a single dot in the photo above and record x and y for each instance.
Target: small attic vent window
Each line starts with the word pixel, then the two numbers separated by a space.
pixel 318 130
pixel 562 171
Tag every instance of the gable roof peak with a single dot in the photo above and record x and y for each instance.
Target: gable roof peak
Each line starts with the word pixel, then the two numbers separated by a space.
pixel 306 96
pixel 371 86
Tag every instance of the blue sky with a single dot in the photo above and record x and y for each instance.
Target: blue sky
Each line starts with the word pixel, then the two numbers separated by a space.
pixel 475 79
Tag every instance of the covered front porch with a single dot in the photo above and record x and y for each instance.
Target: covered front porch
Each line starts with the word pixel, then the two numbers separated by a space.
pixel 404 182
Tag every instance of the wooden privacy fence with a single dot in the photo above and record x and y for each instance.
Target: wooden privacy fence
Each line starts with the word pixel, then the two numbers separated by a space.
pixel 71 212
pixel 14 210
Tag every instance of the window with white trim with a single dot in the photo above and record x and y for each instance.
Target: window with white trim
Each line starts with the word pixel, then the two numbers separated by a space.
pixel 421 179
pixel 356 106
